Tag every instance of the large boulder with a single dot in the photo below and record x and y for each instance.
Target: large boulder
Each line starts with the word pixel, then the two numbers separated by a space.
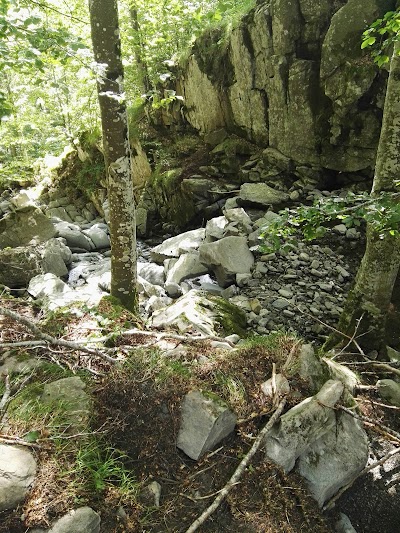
pixel 69 395
pixel 25 226
pixel 203 314
pixel 303 425
pixel 19 265
pixel 330 448
pixel 334 459
pixel 17 472
pixel 187 266
pixel 262 194
pixel 227 257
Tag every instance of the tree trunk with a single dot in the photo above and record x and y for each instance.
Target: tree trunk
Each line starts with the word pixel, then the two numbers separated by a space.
pixel 371 295
pixel 107 53
pixel 141 65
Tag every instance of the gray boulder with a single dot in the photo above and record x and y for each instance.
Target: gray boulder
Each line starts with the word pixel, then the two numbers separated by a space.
pixel 303 425
pixel 74 237
pixel 335 459
pixel 17 473
pixel 47 285
pixel 152 273
pixel 215 228
pixel 82 520
pixel 175 246
pixel 197 312
pixel 19 265
pixel 187 266
pixel 205 421
pixel 98 236
pixel 227 257
pixel 262 194
pixel 70 395
pixel 389 390
pixel 25 226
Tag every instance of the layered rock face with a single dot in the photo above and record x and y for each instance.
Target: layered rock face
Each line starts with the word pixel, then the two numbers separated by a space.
pixel 292 76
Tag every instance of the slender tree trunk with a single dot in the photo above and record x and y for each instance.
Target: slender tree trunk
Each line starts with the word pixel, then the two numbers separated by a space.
pixel 138 50
pixel 107 53
pixel 371 295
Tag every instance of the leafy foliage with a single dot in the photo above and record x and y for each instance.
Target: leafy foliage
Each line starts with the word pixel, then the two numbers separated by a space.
pixel 381 35
pixel 382 212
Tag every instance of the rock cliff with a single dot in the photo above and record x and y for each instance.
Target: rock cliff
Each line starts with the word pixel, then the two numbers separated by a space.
pixel 291 75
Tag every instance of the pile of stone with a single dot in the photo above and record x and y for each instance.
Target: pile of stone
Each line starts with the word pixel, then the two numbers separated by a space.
pixel 62 256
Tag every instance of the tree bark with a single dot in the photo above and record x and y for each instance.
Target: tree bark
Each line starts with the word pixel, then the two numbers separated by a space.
pixel 107 53
pixel 371 295
pixel 141 65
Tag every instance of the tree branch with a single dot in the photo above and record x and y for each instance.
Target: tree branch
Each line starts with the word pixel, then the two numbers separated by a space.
pixel 52 340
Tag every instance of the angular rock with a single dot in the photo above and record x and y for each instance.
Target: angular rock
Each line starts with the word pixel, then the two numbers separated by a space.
pixel 82 520
pixel 175 246
pixel 187 266
pixel 335 459
pixel 215 228
pixel 302 425
pixel 206 315
pixel 25 226
pixel 17 473
pixel 205 421
pixel 227 257
pixel 152 273
pixel 47 285
pixel 69 393
pixel 262 194
pixel 19 265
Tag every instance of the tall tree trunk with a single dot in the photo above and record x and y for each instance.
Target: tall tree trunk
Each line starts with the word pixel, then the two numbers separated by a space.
pixel 107 53
pixel 141 65
pixel 371 295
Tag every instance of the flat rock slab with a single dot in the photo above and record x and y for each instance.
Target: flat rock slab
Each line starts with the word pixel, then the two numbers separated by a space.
pixel 262 194
pixel 205 421
pixel 82 520
pixel 17 472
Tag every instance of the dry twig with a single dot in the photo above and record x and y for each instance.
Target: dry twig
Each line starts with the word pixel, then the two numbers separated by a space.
pixel 371 422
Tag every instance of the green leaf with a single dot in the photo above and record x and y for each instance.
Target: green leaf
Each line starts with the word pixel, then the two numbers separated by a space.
pixel 32 436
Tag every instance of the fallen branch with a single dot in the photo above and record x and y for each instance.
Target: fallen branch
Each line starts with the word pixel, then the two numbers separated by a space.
pixel 372 422
pixel 373 402
pixel 6 396
pixel 52 340
pixel 173 336
pixel 384 366
pixel 331 502
pixel 239 471
pixel 17 440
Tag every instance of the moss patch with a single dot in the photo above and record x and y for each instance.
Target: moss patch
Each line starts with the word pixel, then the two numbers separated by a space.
pixel 230 318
